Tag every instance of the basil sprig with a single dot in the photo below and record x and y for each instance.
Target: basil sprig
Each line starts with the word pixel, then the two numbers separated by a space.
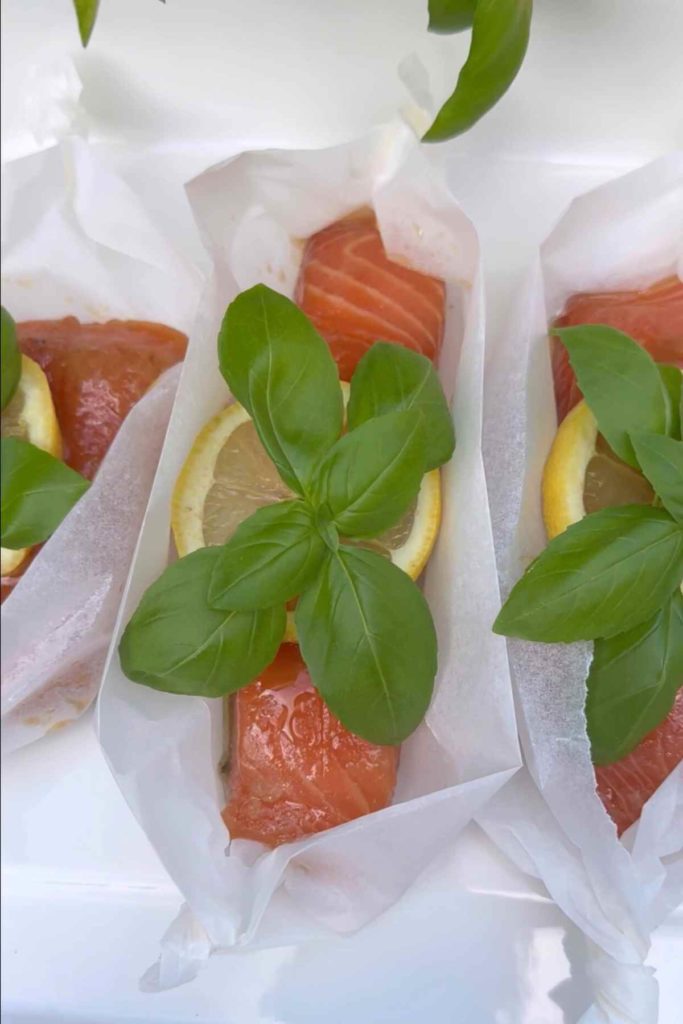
pixel 213 620
pixel 500 36
pixel 614 576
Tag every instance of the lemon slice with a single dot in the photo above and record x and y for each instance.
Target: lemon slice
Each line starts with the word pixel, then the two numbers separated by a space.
pixel 30 416
pixel 582 474
pixel 227 476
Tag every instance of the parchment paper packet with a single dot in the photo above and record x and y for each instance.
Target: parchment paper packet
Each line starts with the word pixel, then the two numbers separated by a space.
pixel 164 750
pixel 549 819
pixel 76 241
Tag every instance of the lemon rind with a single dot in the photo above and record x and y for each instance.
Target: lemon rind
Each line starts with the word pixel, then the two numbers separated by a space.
pixel 564 473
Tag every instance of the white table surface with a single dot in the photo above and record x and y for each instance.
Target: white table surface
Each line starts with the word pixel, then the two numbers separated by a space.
pixel 85 900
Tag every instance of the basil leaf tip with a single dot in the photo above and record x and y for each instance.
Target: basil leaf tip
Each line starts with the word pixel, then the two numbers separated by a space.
pixel 176 642
pixel 38 491
pixel 10 362
pixel 605 574
pixel 500 36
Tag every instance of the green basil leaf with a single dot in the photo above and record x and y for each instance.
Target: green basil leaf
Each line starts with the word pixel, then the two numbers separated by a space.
pixel 500 35
pixel 279 368
pixel 661 460
pixel 389 378
pixel 37 492
pixel 86 13
pixel 602 576
pixel 175 642
pixel 450 15
pixel 270 558
pixel 633 681
pixel 672 379
pixel 10 358
pixel 620 382
pixel 367 637
pixel 371 476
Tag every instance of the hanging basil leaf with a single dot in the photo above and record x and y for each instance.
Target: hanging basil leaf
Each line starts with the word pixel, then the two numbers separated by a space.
pixel 86 13
pixel 271 557
pixel 367 637
pixel 602 576
pixel 279 368
pixel 633 680
pixel 621 384
pixel 389 378
pixel 10 358
pixel 672 379
pixel 661 460
pixel 373 473
pixel 450 15
pixel 175 642
pixel 38 490
pixel 500 35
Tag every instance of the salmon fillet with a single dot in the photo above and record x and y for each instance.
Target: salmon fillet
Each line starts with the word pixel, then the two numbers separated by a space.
pixel 625 786
pixel 355 295
pixel 296 770
pixel 96 373
pixel 653 317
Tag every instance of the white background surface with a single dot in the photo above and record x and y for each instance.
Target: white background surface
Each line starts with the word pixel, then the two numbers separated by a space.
pixel 85 900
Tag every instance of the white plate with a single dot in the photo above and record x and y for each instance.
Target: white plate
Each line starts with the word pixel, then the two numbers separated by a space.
pixel 84 898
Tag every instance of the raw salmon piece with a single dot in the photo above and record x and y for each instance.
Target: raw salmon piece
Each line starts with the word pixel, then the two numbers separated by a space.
pixel 653 317
pixel 295 768
pixel 625 786
pixel 355 295
pixel 97 372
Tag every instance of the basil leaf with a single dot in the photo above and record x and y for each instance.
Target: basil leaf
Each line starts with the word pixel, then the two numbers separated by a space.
pixel 37 492
pixel 633 681
pixel 367 637
pixel 370 477
pixel 672 379
pixel 279 368
pixel 389 378
pixel 270 558
pixel 10 358
pixel 661 460
pixel 450 15
pixel 500 34
pixel 602 576
pixel 620 382
pixel 175 642
pixel 86 13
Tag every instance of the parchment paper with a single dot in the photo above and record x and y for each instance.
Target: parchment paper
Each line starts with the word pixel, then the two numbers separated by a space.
pixel 163 750
pixel 76 241
pixel 626 234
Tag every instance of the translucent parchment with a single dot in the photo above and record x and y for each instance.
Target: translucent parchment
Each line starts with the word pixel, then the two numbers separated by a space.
pixel 76 241
pixel 626 234
pixel 164 750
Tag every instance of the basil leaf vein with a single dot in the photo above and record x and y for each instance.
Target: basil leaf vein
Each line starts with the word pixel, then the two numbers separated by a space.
pixel 373 473
pixel 633 681
pixel 279 368
pixel 270 558
pixel 621 384
pixel 661 460
pixel 367 637
pixel 605 574
pixel 38 491
pixel 390 378
pixel 177 643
